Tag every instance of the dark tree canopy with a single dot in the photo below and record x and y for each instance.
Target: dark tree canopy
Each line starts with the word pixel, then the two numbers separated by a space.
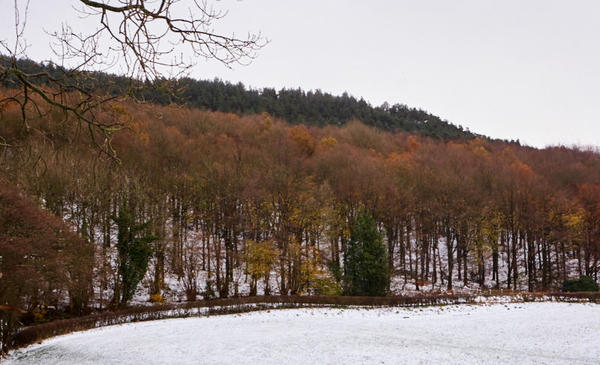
pixel 293 105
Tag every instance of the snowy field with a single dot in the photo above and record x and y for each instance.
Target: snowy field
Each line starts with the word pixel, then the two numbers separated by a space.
pixel 525 333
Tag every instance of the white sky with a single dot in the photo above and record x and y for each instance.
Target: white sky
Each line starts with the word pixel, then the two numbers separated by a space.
pixel 514 69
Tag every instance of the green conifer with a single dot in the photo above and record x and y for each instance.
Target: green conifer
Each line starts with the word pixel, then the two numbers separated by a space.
pixel 365 262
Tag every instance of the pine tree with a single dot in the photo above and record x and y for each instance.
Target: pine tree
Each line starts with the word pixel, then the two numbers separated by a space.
pixel 365 261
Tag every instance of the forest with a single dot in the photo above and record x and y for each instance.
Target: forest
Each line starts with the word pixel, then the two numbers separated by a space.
pixel 205 204
pixel 292 105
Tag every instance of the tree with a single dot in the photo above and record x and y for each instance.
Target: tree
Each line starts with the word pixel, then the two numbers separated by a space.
pixel 40 258
pixel 365 261
pixel 138 36
pixel 133 245
pixel 260 258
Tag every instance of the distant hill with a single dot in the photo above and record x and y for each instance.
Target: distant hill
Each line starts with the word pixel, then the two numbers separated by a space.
pixel 293 105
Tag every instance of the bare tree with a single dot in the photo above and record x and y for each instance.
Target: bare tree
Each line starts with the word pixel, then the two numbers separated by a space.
pixel 146 39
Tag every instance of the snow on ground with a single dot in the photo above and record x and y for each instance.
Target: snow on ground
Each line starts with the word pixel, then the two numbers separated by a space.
pixel 516 333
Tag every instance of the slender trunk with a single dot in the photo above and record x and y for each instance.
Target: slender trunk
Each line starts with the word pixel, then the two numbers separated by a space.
pixel 450 255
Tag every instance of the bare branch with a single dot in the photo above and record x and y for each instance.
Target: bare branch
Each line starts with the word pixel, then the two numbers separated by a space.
pixel 140 35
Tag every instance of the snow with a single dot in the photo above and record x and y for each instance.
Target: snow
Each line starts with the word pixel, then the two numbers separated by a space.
pixel 523 333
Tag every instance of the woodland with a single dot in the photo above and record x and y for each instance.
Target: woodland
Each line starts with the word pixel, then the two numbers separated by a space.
pixel 295 106
pixel 220 205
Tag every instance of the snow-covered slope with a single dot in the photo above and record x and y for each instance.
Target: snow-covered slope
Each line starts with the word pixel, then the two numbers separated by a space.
pixel 529 333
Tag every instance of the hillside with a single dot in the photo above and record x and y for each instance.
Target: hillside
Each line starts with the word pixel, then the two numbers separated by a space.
pixel 211 204
pixel 292 105
pixel 221 187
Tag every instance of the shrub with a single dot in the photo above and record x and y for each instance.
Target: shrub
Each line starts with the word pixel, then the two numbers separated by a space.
pixel 157 298
pixel 39 315
pixel 584 283
pixel 327 286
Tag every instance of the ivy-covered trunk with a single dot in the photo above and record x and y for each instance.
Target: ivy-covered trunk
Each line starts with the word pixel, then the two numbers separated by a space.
pixel 135 250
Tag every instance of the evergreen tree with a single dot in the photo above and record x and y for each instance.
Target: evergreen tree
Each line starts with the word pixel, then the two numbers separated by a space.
pixel 134 253
pixel 365 262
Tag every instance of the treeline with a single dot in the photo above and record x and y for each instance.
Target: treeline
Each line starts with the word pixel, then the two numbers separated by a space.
pixel 295 106
pixel 223 205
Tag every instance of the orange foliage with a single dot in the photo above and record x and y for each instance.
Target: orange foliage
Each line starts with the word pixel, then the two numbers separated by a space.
pixel 254 171
pixel 412 143
pixel 522 169
pixel 303 139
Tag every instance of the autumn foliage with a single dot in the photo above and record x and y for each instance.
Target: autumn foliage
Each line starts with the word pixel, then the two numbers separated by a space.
pixel 250 204
pixel 42 262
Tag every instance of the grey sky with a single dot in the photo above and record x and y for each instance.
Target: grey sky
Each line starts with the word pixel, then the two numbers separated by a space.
pixel 527 69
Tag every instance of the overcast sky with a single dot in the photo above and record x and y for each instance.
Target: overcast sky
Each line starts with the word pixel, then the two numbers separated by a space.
pixel 515 69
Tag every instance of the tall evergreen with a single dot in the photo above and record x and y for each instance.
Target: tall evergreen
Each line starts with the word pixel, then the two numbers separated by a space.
pixel 133 245
pixel 365 262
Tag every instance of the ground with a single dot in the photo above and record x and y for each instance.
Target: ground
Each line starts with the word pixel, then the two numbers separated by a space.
pixel 523 333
